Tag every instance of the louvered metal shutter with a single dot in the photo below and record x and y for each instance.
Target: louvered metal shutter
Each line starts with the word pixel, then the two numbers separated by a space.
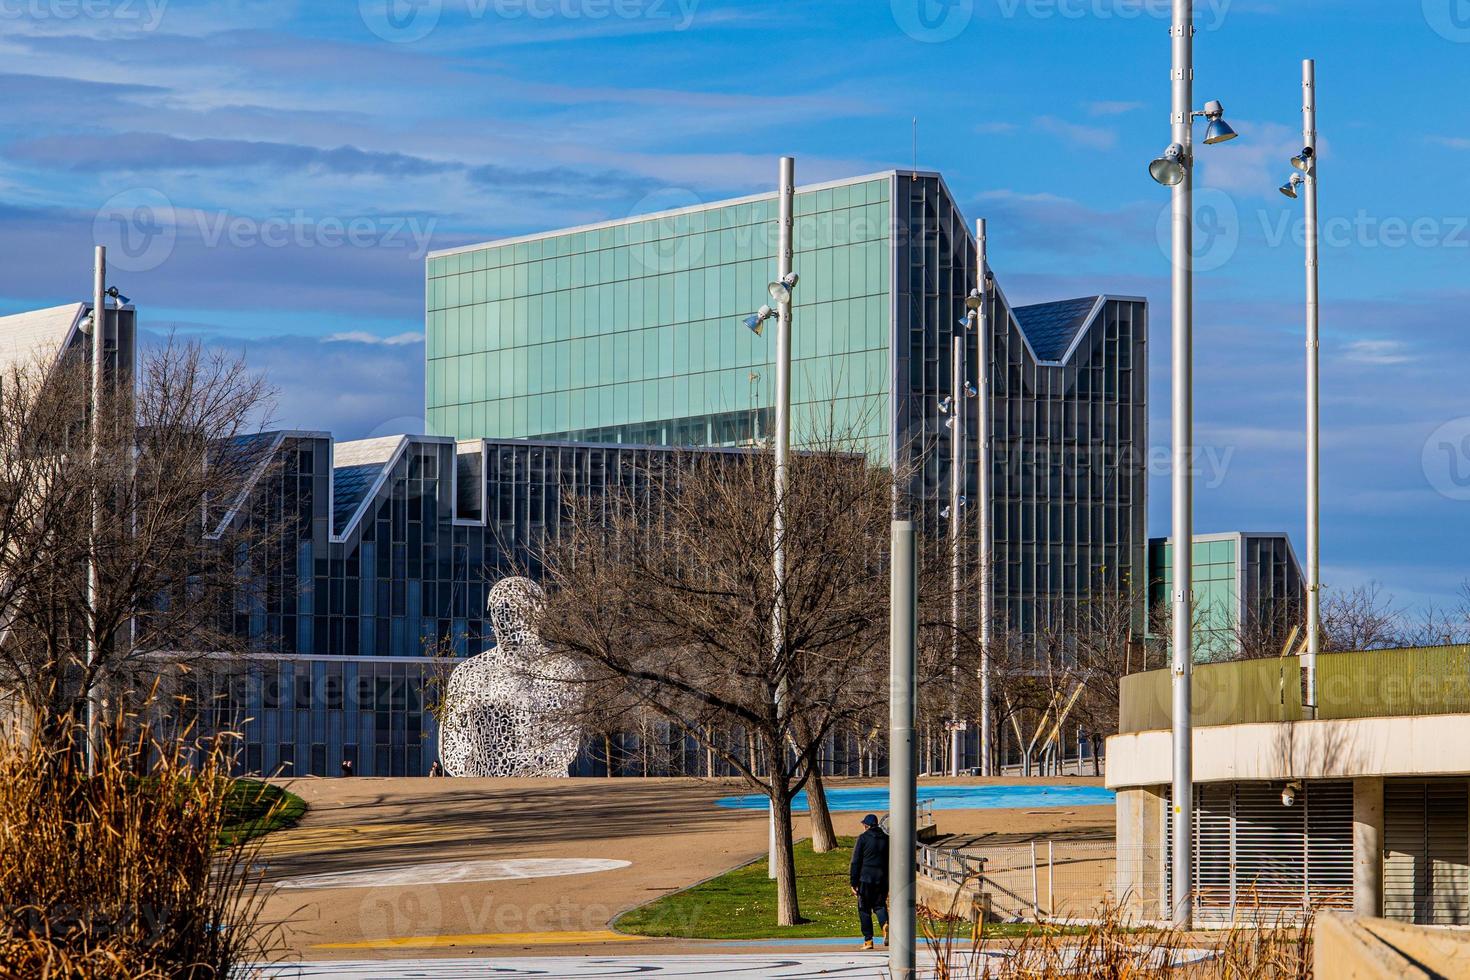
pixel 1255 859
pixel 1426 844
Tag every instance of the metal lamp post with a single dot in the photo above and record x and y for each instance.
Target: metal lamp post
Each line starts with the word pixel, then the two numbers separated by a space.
pixel 903 642
pixel 1175 169
pixel 781 292
pixel 982 315
pixel 1307 163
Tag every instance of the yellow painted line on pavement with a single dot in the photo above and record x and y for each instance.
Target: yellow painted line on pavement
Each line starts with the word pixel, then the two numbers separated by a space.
pixel 488 939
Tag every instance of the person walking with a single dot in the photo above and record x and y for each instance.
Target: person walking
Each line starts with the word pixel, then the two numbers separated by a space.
pixel 868 876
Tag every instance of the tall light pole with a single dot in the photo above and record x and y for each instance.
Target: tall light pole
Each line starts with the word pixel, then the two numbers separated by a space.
pixel 781 293
pixel 1176 169
pixel 954 405
pixel 92 718
pixel 1307 163
pixel 903 642
pixel 982 314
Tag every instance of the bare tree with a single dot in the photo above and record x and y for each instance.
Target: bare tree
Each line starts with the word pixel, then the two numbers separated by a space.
pixel 169 461
pixel 1362 618
pixel 668 592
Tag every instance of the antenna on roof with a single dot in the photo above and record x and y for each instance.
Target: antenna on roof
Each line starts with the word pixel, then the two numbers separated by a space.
pixel 915 174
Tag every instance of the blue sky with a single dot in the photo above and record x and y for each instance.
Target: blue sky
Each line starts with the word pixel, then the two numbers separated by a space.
pixel 309 153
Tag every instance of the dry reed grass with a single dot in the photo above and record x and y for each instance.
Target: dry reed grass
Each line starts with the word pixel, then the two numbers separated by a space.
pixel 120 874
pixel 1109 949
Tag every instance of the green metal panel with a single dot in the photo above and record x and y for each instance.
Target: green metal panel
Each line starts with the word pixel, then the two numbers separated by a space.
pixel 1236 693
pixel 1385 683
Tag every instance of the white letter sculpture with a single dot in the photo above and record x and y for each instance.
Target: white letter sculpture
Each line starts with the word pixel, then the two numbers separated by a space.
pixel 506 710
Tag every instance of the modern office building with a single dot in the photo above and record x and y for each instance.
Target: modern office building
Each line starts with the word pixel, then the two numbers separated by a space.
pixel 1248 590
pixel 630 332
pixel 378 557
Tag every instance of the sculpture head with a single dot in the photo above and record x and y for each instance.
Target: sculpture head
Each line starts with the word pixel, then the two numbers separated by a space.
pixel 513 604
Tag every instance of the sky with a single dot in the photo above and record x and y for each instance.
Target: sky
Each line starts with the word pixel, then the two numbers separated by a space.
pixel 269 175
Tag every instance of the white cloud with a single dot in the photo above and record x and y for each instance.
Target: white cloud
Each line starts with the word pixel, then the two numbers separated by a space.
pixel 363 337
pixel 1378 352
pixel 1095 137
pixel 1112 107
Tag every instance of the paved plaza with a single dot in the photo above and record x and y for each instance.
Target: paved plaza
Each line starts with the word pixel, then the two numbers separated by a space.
pixel 536 870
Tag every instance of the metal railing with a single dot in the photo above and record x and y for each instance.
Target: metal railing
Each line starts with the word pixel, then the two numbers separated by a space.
pixel 950 865
pixel 1372 684
pixel 923 817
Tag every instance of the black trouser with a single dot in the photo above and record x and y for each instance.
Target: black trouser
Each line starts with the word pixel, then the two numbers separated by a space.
pixel 872 898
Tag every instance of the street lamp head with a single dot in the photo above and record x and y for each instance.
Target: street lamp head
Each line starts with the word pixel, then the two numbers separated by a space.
pixel 782 289
pixel 118 297
pixel 1169 169
pixel 1304 162
pixel 1219 130
pixel 1289 188
pixel 756 322
pixel 973 301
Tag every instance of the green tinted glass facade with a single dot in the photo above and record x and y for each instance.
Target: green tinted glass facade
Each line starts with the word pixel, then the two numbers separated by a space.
pixel 630 332
pixel 1246 587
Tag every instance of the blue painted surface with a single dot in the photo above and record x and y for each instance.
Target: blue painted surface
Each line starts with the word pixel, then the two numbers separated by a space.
pixel 874 799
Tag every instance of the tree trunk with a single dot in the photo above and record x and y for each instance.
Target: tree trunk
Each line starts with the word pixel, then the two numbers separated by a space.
pixel 824 838
pixel 607 752
pixel 788 911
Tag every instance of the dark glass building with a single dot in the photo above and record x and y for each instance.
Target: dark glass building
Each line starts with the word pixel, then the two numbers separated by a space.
pixel 369 559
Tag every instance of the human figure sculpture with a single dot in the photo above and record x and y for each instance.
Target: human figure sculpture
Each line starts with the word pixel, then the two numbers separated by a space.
pixel 506 709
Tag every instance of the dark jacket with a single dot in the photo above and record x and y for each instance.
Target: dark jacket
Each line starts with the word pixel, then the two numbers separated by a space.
pixel 870 858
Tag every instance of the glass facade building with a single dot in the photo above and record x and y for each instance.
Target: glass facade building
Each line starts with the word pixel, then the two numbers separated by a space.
pixel 630 331
pixel 367 559
pixel 1244 586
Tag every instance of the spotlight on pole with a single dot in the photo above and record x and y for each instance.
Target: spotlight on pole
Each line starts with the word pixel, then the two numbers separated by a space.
pixel 1169 168
pixel 945 404
pixel 1219 130
pixel 118 297
pixel 972 302
pixel 1289 188
pixel 782 288
pixel 971 391
pixel 756 322
pixel 1304 161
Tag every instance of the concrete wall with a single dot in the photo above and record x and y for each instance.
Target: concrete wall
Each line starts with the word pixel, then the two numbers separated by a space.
pixel 1431 745
pixel 1140 822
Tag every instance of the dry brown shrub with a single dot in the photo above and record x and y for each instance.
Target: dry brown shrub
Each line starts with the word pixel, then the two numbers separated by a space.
pixel 121 874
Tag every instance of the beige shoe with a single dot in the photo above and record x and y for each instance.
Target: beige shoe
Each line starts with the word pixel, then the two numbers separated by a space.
pixel 868 944
pixel 885 934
